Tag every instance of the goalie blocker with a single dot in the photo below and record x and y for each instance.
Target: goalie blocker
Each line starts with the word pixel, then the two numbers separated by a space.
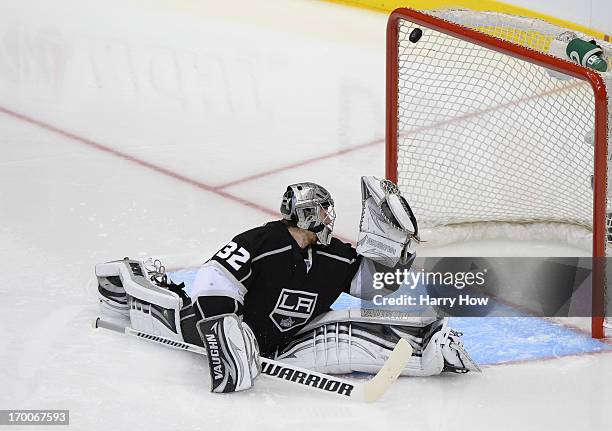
pixel 233 353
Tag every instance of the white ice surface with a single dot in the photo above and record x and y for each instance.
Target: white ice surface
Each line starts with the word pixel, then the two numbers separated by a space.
pixel 214 93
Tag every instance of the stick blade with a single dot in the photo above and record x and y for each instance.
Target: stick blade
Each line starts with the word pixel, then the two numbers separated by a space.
pixel 389 373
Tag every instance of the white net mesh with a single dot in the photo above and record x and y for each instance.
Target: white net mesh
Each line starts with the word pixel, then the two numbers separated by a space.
pixel 489 145
pixel 486 137
pixel 530 32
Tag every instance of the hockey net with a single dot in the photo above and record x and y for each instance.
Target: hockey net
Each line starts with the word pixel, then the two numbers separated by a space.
pixel 490 136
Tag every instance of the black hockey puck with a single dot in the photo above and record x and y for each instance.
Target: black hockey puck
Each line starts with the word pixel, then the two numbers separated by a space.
pixel 415 35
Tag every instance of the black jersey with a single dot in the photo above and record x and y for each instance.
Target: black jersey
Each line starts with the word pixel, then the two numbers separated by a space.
pixel 281 294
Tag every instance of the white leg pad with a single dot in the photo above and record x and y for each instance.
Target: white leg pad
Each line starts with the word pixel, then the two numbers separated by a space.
pixel 152 308
pixel 344 347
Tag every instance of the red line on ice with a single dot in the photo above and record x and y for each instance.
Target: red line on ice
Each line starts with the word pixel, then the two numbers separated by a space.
pixel 156 168
pixel 340 152
pixel 141 162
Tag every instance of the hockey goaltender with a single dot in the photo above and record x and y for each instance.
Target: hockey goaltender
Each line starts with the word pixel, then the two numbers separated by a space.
pixel 268 292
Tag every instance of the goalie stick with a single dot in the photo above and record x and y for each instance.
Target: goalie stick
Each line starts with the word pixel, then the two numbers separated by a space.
pixel 370 391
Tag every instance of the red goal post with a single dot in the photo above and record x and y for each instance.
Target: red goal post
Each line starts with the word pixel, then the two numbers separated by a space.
pixel 404 124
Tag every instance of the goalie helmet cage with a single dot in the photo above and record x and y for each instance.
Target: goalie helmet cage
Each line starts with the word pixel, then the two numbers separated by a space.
pixel 488 134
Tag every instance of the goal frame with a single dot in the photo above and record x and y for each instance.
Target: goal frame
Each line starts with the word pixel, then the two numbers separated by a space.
pixel 540 59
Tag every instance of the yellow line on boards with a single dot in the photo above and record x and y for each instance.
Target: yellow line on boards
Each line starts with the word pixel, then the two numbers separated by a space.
pixel 482 5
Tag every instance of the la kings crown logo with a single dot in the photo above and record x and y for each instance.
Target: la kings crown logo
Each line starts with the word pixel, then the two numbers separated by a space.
pixel 293 309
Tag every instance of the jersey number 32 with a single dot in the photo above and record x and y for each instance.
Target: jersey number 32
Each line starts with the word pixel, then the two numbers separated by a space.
pixel 235 258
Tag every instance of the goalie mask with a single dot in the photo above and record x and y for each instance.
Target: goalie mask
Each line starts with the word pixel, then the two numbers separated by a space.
pixel 310 207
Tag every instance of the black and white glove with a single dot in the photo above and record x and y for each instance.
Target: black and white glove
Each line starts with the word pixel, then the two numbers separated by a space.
pixel 388 229
pixel 233 353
